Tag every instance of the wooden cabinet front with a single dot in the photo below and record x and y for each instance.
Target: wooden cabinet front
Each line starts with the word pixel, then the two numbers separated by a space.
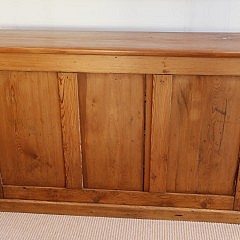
pixel 156 130
pixel 171 140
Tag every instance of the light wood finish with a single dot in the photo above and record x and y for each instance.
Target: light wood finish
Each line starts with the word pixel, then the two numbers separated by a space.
pixel 30 136
pixel 237 192
pixel 69 107
pixel 141 119
pixel 161 111
pixel 123 211
pixel 112 119
pixel 1 186
pixel 124 43
pixel 147 130
pixel 202 151
pixel 119 64
pixel 121 197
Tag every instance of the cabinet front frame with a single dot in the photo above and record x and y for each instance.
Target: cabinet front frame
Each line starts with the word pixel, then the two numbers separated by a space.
pixel 71 64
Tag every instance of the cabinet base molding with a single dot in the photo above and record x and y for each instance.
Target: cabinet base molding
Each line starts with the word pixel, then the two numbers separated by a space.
pixel 122 211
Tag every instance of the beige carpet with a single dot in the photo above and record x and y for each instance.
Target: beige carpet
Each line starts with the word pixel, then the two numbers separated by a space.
pixel 36 226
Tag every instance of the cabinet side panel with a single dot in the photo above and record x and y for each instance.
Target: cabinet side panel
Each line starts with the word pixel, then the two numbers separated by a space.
pixel 204 138
pixel 30 137
pixel 112 126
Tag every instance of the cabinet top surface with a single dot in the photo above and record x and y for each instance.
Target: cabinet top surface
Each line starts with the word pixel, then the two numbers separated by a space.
pixel 121 43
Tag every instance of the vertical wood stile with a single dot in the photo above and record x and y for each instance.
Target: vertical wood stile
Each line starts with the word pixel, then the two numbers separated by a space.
pixel 70 121
pixel 148 122
pixel 1 186
pixel 237 192
pixel 161 111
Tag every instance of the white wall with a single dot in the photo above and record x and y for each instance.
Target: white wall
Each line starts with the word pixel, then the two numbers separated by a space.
pixel 138 15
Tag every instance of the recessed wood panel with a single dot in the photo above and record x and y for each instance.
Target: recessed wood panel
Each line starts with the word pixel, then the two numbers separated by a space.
pixel 203 136
pixel 30 136
pixel 112 127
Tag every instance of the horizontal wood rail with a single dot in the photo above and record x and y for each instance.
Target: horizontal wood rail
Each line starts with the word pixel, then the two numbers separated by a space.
pixel 120 197
pixel 119 64
pixel 123 211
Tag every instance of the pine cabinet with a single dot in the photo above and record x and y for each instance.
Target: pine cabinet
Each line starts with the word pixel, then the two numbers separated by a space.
pixel 140 125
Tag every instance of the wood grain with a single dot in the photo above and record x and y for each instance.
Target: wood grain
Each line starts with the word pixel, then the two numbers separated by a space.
pixel 237 189
pixel 168 140
pixel 70 121
pixel 119 64
pixel 1 186
pixel 124 43
pixel 148 123
pixel 30 136
pixel 102 196
pixel 204 135
pixel 123 211
pixel 161 111
pixel 112 119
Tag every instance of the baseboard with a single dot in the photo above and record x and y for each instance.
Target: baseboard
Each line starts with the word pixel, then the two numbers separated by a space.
pixel 122 211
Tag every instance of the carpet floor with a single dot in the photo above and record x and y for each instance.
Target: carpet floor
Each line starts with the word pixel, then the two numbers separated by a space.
pixel 23 226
